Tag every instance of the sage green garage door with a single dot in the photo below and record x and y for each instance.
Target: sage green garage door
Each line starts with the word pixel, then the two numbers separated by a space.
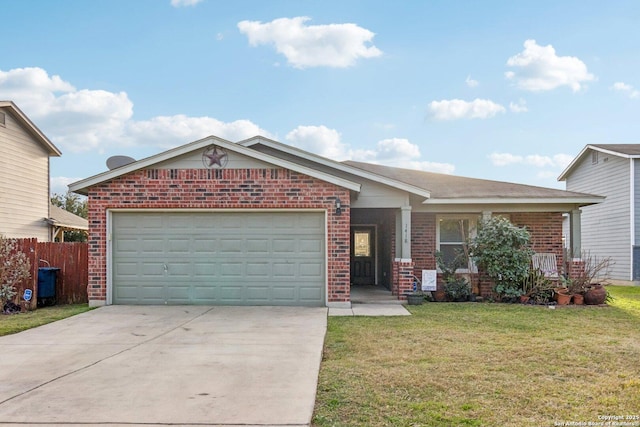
pixel 213 258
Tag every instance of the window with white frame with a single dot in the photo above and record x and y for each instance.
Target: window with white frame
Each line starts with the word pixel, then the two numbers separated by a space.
pixel 452 235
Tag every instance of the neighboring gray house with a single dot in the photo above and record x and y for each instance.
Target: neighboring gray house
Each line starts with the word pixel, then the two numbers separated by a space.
pixel 610 229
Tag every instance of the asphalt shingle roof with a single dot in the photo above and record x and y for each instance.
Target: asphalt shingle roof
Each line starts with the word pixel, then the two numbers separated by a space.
pixel 444 186
pixel 628 149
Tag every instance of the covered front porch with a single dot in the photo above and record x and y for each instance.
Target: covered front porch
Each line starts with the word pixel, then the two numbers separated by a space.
pixel 390 247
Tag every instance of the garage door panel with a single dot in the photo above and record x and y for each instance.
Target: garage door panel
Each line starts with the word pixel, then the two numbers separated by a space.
pixel 204 270
pixel 125 245
pixel 178 270
pixel 230 294
pixel 150 269
pixel 205 293
pixel 311 270
pixel 258 258
pixel 257 294
pixel 283 270
pixel 148 245
pixel 179 293
pixel 259 247
pixel 178 246
pixel 178 222
pixel 284 246
pixel 311 222
pixel 258 270
pixel 284 294
pixel 309 294
pixel 230 246
pixel 231 270
pixel 126 270
pixel 204 245
pixel 311 246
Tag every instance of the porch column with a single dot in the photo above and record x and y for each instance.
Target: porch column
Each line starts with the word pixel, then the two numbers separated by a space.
pixel 575 233
pixel 405 232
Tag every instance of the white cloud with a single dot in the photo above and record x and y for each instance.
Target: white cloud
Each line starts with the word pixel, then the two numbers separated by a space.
pixel 83 120
pixel 538 160
pixel 471 82
pixel 319 140
pixel 454 109
pixel 538 68
pixel 33 88
pixel 171 131
pixel 519 107
pixel 184 3
pixel 333 45
pixel 562 160
pixel 626 88
pixel 398 152
pixel 504 159
pixel 556 161
pixel 394 149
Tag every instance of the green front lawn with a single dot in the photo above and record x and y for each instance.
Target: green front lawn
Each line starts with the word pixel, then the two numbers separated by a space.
pixel 468 364
pixel 12 323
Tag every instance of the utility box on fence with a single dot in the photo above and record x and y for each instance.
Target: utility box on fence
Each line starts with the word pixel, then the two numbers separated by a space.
pixel 47 285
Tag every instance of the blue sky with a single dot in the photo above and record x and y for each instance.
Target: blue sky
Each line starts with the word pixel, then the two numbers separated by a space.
pixel 510 91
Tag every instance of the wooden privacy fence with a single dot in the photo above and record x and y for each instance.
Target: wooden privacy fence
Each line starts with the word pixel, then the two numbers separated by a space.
pixel 70 258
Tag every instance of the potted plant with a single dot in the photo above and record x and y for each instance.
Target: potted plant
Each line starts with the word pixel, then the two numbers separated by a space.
pixel 416 297
pixel 576 288
pixel 536 287
pixel 456 288
pixel 589 279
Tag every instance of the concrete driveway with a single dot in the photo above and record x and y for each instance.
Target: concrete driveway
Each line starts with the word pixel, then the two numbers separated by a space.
pixel 165 365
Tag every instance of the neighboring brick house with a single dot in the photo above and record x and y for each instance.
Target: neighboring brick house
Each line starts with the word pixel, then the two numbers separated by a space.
pixel 263 223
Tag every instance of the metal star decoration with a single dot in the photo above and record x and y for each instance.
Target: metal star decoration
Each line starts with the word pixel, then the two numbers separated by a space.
pixel 214 156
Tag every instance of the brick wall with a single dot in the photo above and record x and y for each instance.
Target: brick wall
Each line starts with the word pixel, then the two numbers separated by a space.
pixel 214 189
pixel 546 232
pixel 423 241
pixel 546 236
pixel 402 278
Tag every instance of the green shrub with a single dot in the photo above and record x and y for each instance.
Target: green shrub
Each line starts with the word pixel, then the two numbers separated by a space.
pixel 457 289
pixel 502 251
pixel 14 268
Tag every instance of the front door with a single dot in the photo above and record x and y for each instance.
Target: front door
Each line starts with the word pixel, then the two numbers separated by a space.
pixel 363 255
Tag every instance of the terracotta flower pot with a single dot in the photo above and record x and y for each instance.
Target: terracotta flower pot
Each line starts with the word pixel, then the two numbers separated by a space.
pixel 439 296
pixel 524 299
pixel 578 299
pixel 563 299
pixel 596 295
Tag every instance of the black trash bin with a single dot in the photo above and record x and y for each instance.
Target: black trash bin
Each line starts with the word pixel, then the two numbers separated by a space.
pixel 47 286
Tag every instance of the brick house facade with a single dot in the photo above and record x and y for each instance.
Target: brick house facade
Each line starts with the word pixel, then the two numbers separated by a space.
pixel 221 189
pixel 395 211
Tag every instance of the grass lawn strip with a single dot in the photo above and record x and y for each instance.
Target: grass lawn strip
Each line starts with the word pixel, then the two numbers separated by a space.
pixel 13 323
pixel 465 364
